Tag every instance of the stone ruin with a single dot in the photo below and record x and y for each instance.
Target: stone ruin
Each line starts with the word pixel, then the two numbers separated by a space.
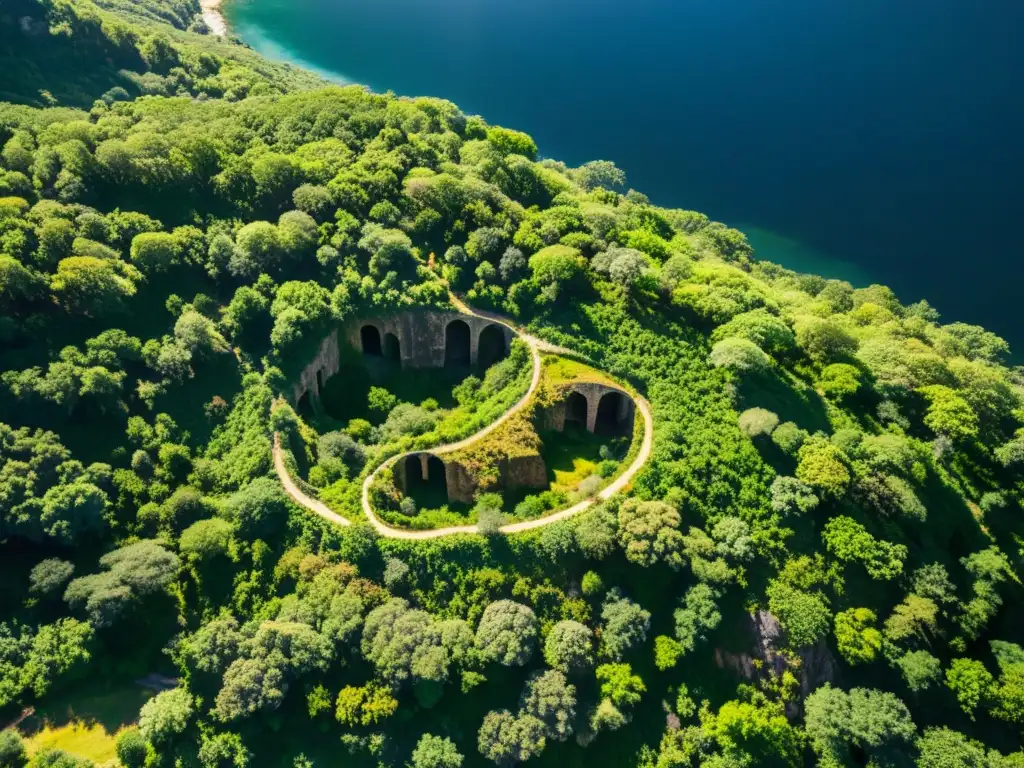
pixel 435 339
pixel 413 339
pixel 595 406
pixel 461 485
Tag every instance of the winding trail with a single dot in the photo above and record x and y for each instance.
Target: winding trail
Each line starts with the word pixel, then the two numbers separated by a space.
pixel 536 347
pixel 313 505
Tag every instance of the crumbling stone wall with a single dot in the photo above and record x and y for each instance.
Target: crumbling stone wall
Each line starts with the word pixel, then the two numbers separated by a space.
pixel 421 339
pixel 421 335
pixel 325 364
pixel 526 471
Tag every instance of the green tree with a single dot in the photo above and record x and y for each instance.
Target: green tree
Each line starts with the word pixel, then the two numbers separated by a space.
pixel 403 643
pixel 971 683
pixel 624 625
pixel 550 698
pixel 510 142
pixel 206 539
pixel 649 532
pixel 804 615
pixel 130 574
pixel 875 722
pixel 790 496
pixel 260 509
pixel 920 670
pixel 823 466
pixel 620 685
pixel 507 633
pixel 557 264
pixel 739 355
pixel 92 286
pixel 259 249
pixel 154 252
pixel 250 685
pixel 946 748
pixel 49 576
pixel 758 421
pixel 949 414
pixel 840 380
pixel 697 616
pixel 825 341
pixel 166 716
pixel 58 649
pixel 132 748
pixel 856 639
pixel 849 541
pixel 366 705
pixel 767 331
pixel 667 652
pixel 508 739
pixel 12 749
pixel 569 647
pixel 435 752
pixel 754 732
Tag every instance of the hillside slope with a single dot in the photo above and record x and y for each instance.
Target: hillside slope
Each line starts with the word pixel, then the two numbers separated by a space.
pixel 818 565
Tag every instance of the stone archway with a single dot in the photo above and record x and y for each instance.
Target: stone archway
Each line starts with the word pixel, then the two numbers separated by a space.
pixel 422 477
pixel 457 344
pixel 392 348
pixel 613 414
pixel 576 408
pixel 491 346
pixel 369 336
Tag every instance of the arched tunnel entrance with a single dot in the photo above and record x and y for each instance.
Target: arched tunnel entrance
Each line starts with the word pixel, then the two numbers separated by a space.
pixel 491 347
pixel 422 478
pixel 392 348
pixel 576 410
pixel 456 343
pixel 370 338
pixel 614 415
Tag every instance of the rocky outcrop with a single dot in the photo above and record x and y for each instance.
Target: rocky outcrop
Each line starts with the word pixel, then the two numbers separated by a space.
pixel 814 665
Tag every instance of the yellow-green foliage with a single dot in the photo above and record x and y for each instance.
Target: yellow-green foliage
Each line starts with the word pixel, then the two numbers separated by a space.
pixel 516 437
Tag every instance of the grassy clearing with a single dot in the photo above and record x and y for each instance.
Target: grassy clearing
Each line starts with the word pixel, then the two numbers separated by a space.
pixel 571 457
pixel 91 741
pixel 561 370
pixel 84 722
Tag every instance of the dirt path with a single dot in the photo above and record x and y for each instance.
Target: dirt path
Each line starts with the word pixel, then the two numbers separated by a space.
pixel 313 505
pixel 536 347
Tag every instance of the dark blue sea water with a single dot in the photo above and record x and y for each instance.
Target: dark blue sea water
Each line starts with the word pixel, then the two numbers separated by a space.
pixel 876 140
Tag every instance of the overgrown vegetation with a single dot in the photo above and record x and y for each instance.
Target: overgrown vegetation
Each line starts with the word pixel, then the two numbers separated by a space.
pixel 819 565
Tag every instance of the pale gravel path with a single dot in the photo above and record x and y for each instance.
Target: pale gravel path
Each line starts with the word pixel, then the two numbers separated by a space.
pixel 536 347
pixel 314 505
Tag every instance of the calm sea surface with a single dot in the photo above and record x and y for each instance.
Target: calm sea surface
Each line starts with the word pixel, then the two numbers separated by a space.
pixel 873 140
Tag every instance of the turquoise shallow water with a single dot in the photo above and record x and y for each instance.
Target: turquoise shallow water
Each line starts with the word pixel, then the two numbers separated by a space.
pixel 871 140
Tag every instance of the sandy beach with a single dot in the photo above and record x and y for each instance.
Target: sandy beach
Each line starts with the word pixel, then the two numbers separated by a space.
pixel 213 17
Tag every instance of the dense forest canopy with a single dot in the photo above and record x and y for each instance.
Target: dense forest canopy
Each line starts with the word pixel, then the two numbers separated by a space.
pixel 819 564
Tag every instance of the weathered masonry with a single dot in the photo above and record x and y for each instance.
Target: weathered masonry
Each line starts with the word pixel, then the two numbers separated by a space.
pixel 427 469
pixel 597 407
pixel 420 339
